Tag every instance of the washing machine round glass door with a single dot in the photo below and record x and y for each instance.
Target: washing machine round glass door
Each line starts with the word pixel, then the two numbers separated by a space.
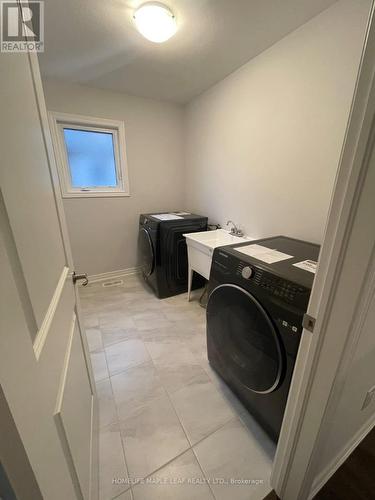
pixel 146 251
pixel 244 338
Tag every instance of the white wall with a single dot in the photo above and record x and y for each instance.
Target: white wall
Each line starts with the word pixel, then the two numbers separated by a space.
pixel 103 231
pixel 263 145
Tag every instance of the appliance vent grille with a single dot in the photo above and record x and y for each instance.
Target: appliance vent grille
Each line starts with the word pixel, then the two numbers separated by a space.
pixel 113 283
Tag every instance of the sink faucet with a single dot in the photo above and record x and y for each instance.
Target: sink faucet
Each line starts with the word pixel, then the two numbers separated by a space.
pixel 235 230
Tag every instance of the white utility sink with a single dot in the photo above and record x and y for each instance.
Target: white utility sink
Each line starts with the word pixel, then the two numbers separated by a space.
pixel 201 247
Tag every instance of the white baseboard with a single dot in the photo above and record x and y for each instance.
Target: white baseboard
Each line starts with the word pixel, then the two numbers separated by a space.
pixel 114 274
pixel 340 458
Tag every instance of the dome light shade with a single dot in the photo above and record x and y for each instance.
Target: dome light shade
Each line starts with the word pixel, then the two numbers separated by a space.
pixel 155 21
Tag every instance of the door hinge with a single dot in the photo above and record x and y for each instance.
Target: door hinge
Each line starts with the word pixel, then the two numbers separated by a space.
pixel 80 277
pixel 308 322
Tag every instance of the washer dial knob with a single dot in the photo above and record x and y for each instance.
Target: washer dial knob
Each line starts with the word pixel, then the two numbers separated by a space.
pixel 247 272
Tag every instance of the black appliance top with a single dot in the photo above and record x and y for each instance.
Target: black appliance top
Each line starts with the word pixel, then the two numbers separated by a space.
pixel 300 250
pixel 183 216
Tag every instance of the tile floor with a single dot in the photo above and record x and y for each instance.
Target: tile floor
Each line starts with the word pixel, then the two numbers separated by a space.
pixel 169 427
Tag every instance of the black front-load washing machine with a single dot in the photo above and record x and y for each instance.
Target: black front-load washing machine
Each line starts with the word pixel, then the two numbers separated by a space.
pixel 163 252
pixel 254 321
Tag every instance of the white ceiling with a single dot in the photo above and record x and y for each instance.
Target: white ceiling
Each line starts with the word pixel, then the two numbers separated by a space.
pixel 94 42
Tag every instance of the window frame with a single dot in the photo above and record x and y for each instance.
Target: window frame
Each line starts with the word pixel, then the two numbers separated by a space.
pixel 59 121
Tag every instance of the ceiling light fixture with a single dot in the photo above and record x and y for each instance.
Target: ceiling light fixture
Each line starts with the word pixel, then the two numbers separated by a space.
pixel 155 21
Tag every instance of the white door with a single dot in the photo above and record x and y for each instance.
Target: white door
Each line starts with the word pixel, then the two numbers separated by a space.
pixel 326 415
pixel 45 372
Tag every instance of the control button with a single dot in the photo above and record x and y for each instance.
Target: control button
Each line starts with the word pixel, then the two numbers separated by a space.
pixel 247 272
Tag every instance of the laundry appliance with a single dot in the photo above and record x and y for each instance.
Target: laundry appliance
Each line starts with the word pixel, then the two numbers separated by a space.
pixel 163 251
pixel 258 295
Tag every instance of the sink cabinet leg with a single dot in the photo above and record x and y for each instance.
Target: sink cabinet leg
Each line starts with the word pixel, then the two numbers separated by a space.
pixel 190 281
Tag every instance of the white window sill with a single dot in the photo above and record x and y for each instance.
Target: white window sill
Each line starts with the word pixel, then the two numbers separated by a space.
pixel 95 194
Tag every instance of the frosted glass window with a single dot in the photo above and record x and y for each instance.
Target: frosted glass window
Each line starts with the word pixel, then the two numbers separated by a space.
pixel 91 158
pixel 91 155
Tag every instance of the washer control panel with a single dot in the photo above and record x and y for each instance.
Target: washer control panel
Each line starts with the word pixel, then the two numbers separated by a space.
pixel 279 287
